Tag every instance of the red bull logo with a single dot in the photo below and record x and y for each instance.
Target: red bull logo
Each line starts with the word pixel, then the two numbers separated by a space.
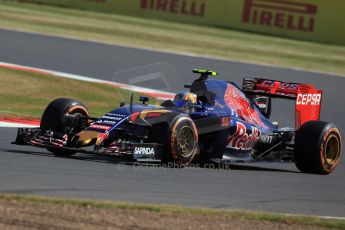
pixel 286 14
pixel 236 100
pixel 241 139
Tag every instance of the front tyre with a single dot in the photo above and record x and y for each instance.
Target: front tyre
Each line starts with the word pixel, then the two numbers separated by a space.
pixel 317 147
pixel 178 135
pixel 52 118
pixel 182 140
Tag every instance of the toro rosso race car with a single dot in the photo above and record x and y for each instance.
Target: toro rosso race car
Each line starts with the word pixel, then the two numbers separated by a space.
pixel 212 121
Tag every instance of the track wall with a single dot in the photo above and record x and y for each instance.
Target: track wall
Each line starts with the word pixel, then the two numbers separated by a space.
pixel 314 20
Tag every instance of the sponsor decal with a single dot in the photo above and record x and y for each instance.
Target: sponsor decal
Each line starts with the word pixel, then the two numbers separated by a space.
pixel 144 151
pixel 308 99
pixel 154 114
pixel 182 7
pixel 289 86
pixel 261 102
pixel 249 84
pixel 102 127
pixel 261 105
pixel 241 140
pixel 287 14
pixel 283 86
pixel 112 118
pixel 277 88
pixel 107 122
pixel 116 115
pixel 267 83
pixel 237 101
pixel 267 139
pixel 308 104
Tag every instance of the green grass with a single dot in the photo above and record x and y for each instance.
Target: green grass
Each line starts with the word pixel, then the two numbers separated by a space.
pixel 25 94
pixel 175 37
pixel 244 215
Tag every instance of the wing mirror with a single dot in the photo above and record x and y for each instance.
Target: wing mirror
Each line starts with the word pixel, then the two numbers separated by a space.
pixel 144 99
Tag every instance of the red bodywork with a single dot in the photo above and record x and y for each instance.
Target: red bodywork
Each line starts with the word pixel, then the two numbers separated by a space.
pixel 236 100
pixel 308 99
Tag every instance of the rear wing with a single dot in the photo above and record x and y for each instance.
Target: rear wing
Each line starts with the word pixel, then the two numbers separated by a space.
pixel 308 99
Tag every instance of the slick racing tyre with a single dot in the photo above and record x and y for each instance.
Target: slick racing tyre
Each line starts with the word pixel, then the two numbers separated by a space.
pixel 53 115
pixel 317 147
pixel 178 136
pixel 182 140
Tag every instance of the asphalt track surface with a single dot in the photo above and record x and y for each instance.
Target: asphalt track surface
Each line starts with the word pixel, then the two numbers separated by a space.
pixel 260 186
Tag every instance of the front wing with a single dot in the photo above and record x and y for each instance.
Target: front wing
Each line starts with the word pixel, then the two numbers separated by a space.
pixel 47 139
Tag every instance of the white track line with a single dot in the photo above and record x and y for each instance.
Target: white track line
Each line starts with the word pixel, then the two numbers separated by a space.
pixel 162 95
pixel 4 124
pixel 321 217
pixel 155 93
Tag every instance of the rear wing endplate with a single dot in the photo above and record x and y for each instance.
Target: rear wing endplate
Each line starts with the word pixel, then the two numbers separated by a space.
pixel 308 99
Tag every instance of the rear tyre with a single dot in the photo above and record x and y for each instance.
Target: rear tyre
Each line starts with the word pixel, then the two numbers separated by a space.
pixel 52 118
pixel 317 147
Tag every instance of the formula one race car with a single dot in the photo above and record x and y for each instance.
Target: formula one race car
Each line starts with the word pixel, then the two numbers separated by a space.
pixel 213 121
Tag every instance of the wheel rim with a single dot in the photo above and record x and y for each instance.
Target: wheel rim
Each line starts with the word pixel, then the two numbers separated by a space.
pixel 185 142
pixel 332 149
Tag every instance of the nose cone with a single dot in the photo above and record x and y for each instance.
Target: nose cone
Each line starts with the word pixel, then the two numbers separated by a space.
pixel 87 137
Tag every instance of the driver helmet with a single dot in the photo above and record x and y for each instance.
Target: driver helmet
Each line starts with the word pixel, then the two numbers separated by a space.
pixel 185 98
